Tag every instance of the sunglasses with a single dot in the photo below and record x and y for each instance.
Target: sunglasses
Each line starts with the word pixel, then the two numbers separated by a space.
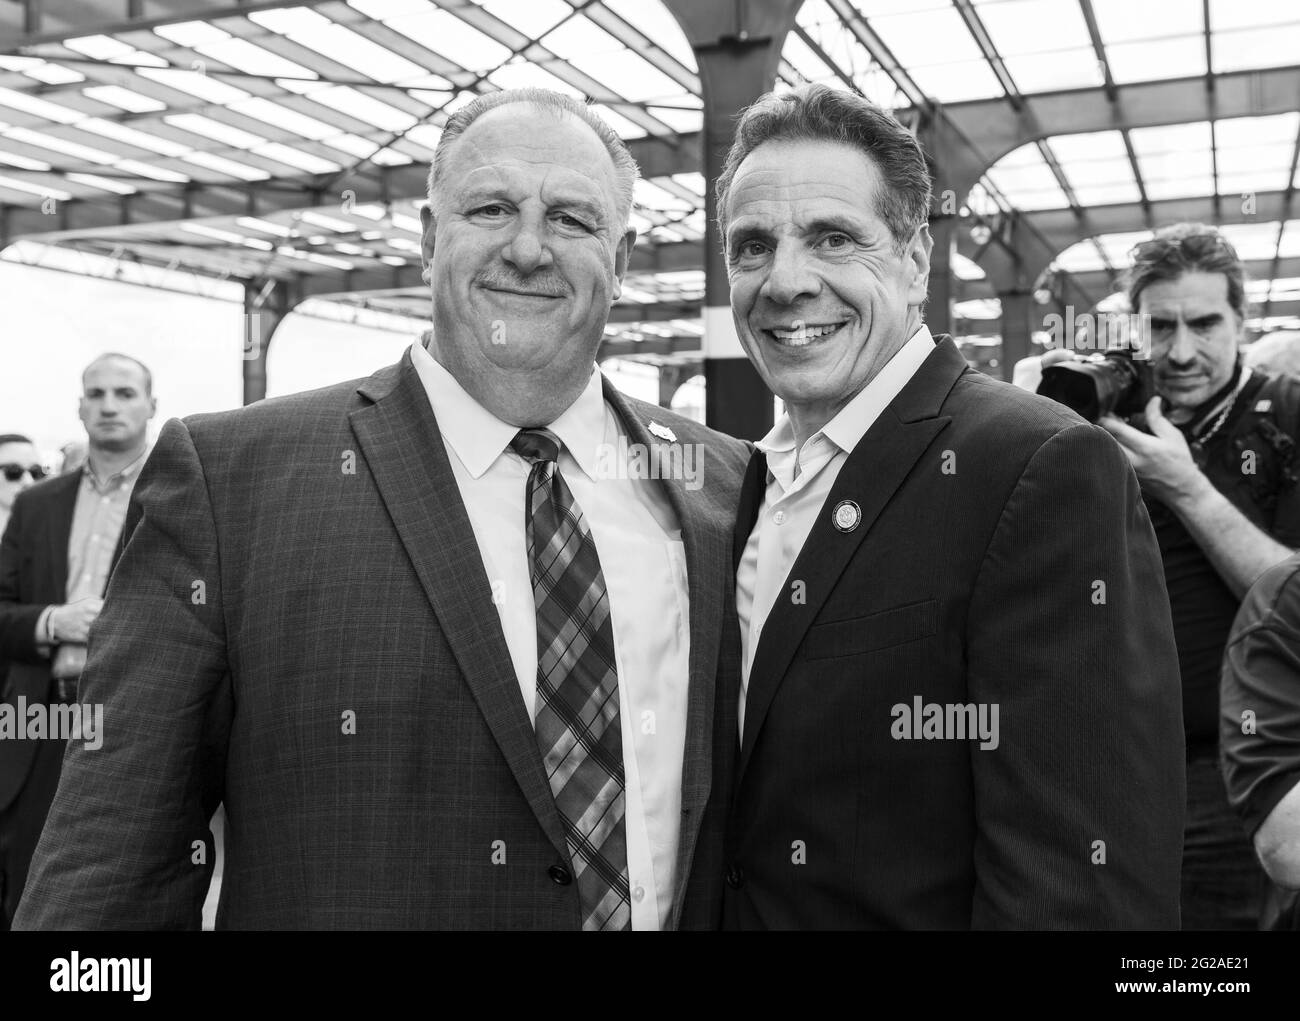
pixel 14 472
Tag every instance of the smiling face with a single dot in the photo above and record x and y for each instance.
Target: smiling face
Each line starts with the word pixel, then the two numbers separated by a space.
pixel 527 252
pixel 1194 337
pixel 821 296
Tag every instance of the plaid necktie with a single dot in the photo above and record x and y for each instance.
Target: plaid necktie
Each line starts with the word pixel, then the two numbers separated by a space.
pixel 577 721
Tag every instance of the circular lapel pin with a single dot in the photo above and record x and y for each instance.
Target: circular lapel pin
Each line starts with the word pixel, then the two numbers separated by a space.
pixel 847 515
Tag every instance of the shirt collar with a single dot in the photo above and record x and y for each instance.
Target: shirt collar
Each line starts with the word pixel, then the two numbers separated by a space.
pixel 853 420
pixel 129 472
pixel 478 437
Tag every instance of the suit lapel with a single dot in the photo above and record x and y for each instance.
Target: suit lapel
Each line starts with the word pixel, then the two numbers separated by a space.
pixel 751 499
pixel 705 540
pixel 404 450
pixel 874 470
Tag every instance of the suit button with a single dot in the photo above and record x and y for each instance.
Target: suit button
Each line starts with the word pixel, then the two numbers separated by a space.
pixel 735 876
pixel 560 875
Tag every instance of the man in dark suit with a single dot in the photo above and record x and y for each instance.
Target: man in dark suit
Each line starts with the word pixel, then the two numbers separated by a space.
pixel 959 706
pixel 444 640
pixel 58 550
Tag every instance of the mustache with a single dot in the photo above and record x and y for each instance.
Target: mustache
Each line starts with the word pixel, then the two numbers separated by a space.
pixel 548 284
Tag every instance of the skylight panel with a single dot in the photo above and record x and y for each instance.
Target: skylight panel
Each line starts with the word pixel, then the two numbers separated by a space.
pixel 149 170
pixel 1121 21
pixel 1230 14
pixel 684 122
pixel 1237 131
pixel 447 35
pixel 1265 47
pixel 624 128
pixel 102 183
pixel 1116 192
pixel 1289 248
pixel 39 107
pixel 628 74
pixel 521 75
pixel 958 82
pixel 364 108
pixel 265 226
pixel 534 19
pixel 804 60
pixel 224 133
pixel 1252 240
pixel 307 28
pixel 123 99
pixel 1242 159
pixel 1182 57
pixel 382 10
pixel 282 117
pixel 253 59
pixel 353 145
pixel 1093 145
pixel 1033 26
pixel 387 157
pixel 191 34
pixel 655 22
pixel 139 139
pixel 203 230
pixel 922 38
pixel 53 74
pixel 328 222
pixel 61 145
pixel 1080 258
pixel 965 269
pixel 99 47
pixel 201 86
pixel 1249 181
pixel 34 189
pixel 1049 72
pixel 306 161
pixel 23 162
pixel 229 168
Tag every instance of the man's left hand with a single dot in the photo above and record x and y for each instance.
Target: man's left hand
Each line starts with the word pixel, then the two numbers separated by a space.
pixel 1162 459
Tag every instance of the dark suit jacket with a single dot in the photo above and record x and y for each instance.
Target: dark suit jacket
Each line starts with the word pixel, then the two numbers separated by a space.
pixel 989 515
pixel 306 562
pixel 33 575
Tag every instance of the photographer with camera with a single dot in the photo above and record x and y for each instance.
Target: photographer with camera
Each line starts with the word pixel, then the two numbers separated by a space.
pixel 1214 449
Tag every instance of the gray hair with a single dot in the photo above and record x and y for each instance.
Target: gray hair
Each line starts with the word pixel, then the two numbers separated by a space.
pixel 557 104
pixel 817 113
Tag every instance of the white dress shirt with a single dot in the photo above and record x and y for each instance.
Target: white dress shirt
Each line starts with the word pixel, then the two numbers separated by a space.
pixel 791 505
pixel 638 540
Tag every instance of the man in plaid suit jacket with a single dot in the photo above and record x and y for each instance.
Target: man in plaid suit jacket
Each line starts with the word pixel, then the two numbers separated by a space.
pixel 304 626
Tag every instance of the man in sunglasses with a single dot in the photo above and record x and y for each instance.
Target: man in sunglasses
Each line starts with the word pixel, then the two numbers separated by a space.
pixel 19 468
pixel 60 546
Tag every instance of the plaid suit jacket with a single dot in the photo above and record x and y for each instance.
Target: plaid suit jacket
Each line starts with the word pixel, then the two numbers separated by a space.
pixel 301 626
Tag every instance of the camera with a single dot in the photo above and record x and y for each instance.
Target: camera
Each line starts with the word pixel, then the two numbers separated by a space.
pixel 1111 383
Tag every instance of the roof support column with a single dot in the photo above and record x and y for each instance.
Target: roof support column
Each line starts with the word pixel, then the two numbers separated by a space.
pixel 266 303
pixel 737 47
pixel 1017 306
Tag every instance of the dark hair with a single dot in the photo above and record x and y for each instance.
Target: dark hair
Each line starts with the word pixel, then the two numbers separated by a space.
pixel 557 104
pixel 822 114
pixel 15 438
pixel 148 376
pixel 1187 248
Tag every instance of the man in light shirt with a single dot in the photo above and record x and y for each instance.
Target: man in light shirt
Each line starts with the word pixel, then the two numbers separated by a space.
pixel 959 701
pixel 55 561
pixel 447 640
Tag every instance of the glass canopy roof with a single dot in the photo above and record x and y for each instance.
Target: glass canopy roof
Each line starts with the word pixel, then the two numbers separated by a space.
pixel 315 93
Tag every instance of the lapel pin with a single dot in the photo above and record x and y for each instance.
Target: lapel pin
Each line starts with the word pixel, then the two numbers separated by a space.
pixel 847 515
pixel 663 432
